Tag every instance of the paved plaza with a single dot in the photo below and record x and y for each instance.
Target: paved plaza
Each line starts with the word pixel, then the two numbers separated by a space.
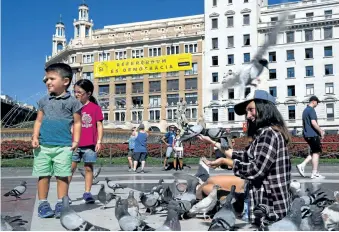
pixel 27 206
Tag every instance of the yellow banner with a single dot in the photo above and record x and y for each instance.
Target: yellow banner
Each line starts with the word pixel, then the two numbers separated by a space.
pixel 157 64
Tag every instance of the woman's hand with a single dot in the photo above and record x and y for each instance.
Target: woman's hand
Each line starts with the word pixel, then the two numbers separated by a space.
pixel 205 138
pixel 215 163
pixel 98 147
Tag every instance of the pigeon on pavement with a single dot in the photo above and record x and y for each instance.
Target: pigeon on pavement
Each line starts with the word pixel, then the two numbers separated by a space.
pixel 104 197
pixel 17 191
pixel 112 185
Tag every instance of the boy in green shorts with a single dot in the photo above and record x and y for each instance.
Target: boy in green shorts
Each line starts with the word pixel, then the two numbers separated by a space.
pixel 52 138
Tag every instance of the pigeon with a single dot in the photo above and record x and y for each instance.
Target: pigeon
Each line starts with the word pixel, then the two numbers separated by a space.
pixel 17 191
pixel 72 221
pixel 96 173
pixel 104 197
pixel 190 194
pixel 126 221
pixel 206 204
pixel 292 220
pixel 150 201
pixel 225 218
pixel 159 188
pixel 113 185
pixel 330 214
pixel 133 205
pixel 171 223
pixel 15 223
pixel 252 71
pixel 167 195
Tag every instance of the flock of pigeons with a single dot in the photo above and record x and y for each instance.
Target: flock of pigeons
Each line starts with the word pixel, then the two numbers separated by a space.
pixel 310 210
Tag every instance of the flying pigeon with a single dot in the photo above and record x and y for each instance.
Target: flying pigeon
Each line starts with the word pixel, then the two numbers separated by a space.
pixel 104 197
pixel 15 223
pixel 17 191
pixel 206 204
pixel 72 221
pixel 225 218
pixel 252 71
pixel 96 173
pixel 114 186
pixel 171 223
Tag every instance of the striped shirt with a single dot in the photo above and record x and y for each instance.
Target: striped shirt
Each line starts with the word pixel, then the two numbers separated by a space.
pixel 266 165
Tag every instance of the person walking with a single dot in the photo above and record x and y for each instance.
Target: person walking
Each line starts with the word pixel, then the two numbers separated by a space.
pixel 140 148
pixel 131 144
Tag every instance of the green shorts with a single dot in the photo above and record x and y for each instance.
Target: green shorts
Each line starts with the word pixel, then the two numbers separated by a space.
pixel 52 161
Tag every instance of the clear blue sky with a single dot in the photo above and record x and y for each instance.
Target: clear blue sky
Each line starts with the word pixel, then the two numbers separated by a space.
pixel 28 26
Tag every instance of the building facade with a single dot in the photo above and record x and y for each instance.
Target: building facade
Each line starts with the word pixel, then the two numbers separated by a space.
pixel 129 100
pixel 303 62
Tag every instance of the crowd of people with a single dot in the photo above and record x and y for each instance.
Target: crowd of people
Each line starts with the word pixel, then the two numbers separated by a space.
pixel 69 129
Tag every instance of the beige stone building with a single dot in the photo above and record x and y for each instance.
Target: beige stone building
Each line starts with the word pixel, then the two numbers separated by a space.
pixel 129 100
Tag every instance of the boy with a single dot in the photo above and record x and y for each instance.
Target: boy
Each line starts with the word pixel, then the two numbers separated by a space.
pixel 52 138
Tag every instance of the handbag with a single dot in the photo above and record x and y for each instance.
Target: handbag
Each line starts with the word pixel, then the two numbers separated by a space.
pixel 179 149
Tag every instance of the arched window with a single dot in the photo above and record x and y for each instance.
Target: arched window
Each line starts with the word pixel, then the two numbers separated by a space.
pixel 60 47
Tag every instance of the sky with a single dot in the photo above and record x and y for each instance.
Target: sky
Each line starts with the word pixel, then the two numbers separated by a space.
pixel 27 29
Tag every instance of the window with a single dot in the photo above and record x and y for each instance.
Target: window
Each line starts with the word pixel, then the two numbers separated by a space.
pixel 120 116
pixel 230 21
pixel 214 23
pixel 291 112
pixel 247 40
pixel 330 110
pixel 215 117
pixel 290 72
pixel 173 49
pixel 191 48
pixel 245 1
pixel 103 90
pixel 328 14
pixel 104 103
pixel 172 85
pixel 290 54
pixel 120 102
pixel 230 41
pixel 155 75
pixel 87 75
pixel 328 33
pixel 121 55
pixel 246 19
pixel 214 43
pixel 191 98
pixel 247 57
pixel 138 101
pixel 290 37
pixel 309 53
pixel 138 53
pixel 72 59
pixel 120 78
pixel 137 87
pixel 273 91
pixel 273 74
pixel 215 2
pixel 230 93
pixel 247 91
pixel 172 99
pixel 309 16
pixel 137 76
pixel 230 1
pixel 191 83
pixel 86 59
pixel 171 114
pixel 105 116
pixel 191 113
pixel 291 17
pixel 214 60
pixel 193 71
pixel 274 19
pixel 309 89
pixel 215 95
pixel 154 115
pixel 309 71
pixel 154 52
pixel 231 114
pixel 120 88
pixel 329 88
pixel 154 86
pixel 328 69
pixel 272 56
pixel 230 59
pixel 214 77
pixel 155 100
pixel 328 51
pixel 172 74
pixel 291 90
pixel 104 56
pixel 308 35
pixel 137 116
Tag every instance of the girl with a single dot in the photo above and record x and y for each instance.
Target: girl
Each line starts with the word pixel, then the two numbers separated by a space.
pixel 179 150
pixel 91 134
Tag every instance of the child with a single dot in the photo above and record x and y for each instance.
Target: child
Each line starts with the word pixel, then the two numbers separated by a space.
pixel 52 138
pixel 140 148
pixel 131 142
pixel 91 134
pixel 179 151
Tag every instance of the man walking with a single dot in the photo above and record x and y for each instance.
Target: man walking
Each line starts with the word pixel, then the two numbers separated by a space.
pixel 312 135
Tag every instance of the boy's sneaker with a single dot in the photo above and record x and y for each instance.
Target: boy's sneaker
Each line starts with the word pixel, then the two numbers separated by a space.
pixel 301 170
pixel 45 210
pixel 88 198
pixel 58 209
pixel 317 176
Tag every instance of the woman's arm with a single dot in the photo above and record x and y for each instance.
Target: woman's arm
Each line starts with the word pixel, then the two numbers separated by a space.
pixel 100 129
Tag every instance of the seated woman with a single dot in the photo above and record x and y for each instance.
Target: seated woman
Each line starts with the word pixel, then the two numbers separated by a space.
pixel 265 163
